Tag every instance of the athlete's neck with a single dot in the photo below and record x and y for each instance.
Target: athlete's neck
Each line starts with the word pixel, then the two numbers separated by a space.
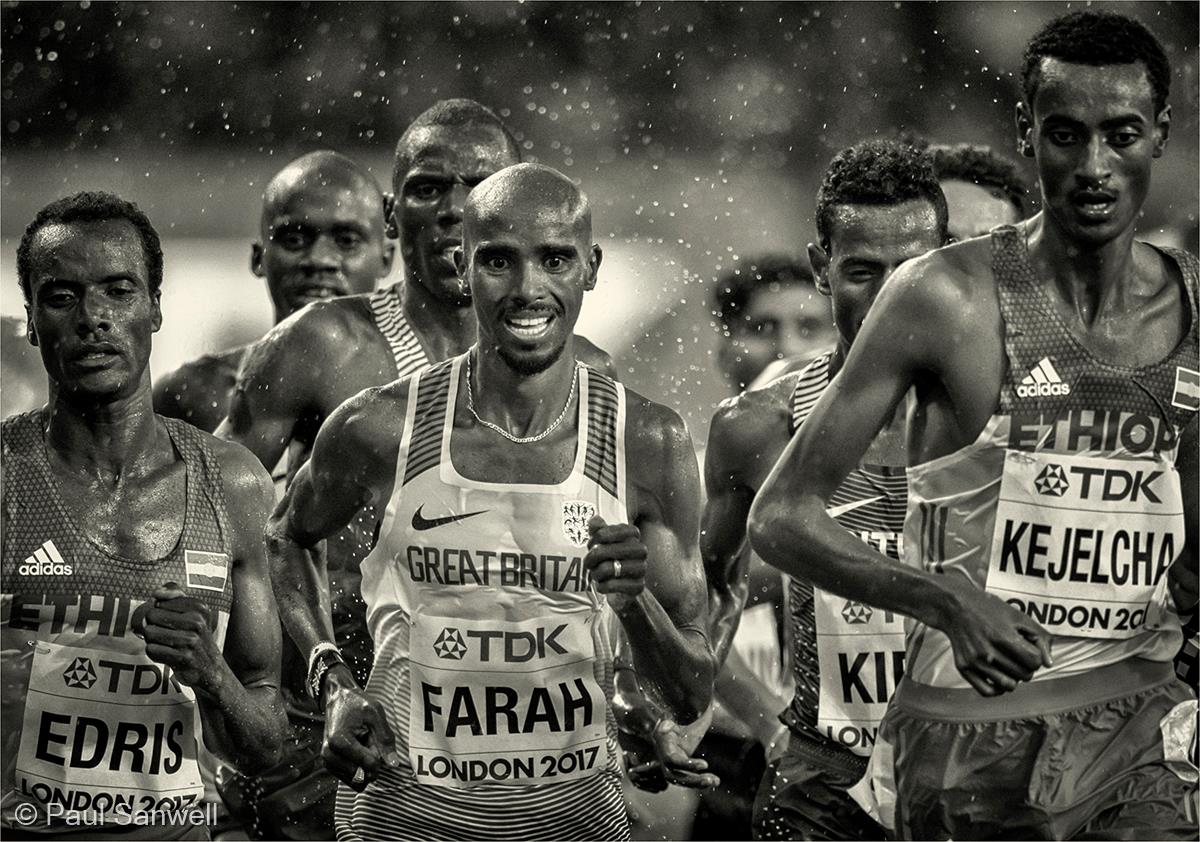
pixel 443 329
pixel 107 439
pixel 1092 278
pixel 838 357
pixel 523 404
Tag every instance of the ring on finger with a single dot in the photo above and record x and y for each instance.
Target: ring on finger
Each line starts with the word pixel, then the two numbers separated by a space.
pixel 360 775
pixel 616 569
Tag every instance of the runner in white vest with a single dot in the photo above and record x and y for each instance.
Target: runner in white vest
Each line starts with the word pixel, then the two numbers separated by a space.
pixel 529 502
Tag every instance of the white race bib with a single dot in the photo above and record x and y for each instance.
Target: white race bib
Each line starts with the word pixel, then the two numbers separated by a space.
pixel 107 730
pixel 861 655
pixel 505 702
pixel 1081 542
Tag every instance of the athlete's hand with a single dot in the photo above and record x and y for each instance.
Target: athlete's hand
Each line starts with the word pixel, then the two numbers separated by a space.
pixel 357 737
pixel 616 560
pixel 179 633
pixel 665 758
pixel 1182 582
pixel 995 645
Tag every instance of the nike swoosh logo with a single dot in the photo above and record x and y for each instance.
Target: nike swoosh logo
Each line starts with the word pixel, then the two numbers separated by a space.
pixel 838 511
pixel 421 523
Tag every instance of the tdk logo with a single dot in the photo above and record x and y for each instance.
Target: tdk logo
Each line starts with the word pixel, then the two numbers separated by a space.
pixel 45 561
pixel 1042 381
pixel 515 647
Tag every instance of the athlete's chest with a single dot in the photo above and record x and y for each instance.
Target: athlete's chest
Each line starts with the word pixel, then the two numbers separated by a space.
pixel 137 517
pixel 484 455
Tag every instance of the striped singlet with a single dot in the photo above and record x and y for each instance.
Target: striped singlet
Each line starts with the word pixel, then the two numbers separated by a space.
pixel 846 656
pixel 493 657
pixel 1068 504
pixel 89 722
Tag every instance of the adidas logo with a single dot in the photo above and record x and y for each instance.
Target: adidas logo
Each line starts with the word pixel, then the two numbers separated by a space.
pixel 1041 381
pixel 45 561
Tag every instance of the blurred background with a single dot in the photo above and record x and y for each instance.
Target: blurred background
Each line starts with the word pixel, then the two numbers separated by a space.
pixel 699 130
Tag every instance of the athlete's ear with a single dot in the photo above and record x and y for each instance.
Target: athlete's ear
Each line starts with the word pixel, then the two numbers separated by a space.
pixel 819 261
pixel 1162 130
pixel 256 260
pixel 30 333
pixel 389 216
pixel 389 257
pixel 156 310
pixel 593 267
pixel 1024 120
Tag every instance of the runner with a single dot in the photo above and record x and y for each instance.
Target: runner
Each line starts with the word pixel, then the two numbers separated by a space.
pixel 311 363
pixel 879 205
pixel 321 236
pixel 132 556
pixel 983 189
pixel 486 747
pixel 1055 370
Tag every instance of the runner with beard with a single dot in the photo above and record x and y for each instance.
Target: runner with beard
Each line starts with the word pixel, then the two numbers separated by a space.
pixel 532 505
pixel 1051 534
pixel 309 364
pixel 322 236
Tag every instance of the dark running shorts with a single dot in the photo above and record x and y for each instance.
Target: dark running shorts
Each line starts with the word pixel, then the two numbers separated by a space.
pixel 803 795
pixel 1084 761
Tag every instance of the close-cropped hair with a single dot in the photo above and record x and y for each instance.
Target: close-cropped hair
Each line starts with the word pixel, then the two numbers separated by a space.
pixel 739 284
pixel 982 166
pixel 91 206
pixel 878 172
pixel 1097 38
pixel 448 112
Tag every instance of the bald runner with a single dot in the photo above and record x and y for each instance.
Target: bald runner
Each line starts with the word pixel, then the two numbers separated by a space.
pixel 321 236
pixel 534 505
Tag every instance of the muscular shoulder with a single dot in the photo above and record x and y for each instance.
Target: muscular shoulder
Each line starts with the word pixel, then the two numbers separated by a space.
pixel 325 331
pixel 655 435
pixel 198 391
pixel 367 425
pixel 594 357
pixel 249 492
pixel 751 424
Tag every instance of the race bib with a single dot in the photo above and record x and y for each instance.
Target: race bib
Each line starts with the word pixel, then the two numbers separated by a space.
pixel 861 655
pixel 107 731
pixel 505 702
pixel 1081 542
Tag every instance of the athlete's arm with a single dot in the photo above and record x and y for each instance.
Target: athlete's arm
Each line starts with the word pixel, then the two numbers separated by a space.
pixel 745 432
pixel 237 690
pixel 595 357
pixel 303 369
pixel 665 622
pixel 350 468
pixel 912 334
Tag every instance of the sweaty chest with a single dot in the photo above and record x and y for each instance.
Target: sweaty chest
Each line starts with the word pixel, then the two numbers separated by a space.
pixel 135 518
pixel 485 456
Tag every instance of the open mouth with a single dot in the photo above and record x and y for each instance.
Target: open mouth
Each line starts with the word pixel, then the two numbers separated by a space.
pixel 317 292
pixel 95 357
pixel 1094 204
pixel 529 325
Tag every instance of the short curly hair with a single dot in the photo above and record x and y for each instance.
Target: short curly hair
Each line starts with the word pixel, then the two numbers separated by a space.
pixel 878 172
pixel 90 206
pixel 1097 38
pixel 448 112
pixel 741 282
pixel 980 165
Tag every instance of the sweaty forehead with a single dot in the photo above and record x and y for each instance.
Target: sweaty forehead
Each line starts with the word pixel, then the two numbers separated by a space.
pixel 1086 92
pixel 76 250
pixel 878 232
pixel 321 200
pixel 470 149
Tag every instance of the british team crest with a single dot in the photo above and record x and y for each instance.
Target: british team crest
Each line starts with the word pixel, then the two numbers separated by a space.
pixel 576 515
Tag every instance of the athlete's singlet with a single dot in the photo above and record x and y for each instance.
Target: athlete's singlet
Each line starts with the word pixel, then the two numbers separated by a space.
pixel 90 723
pixel 493 660
pixel 1068 503
pixel 846 656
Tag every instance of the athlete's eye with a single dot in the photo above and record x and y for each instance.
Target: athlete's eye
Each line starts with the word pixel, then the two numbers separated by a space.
pixel 1061 137
pixel 555 263
pixel 424 190
pixel 1124 138
pixel 495 263
pixel 291 240
pixel 349 241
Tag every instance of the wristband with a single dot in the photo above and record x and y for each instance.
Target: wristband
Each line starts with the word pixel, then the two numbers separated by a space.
pixel 322 657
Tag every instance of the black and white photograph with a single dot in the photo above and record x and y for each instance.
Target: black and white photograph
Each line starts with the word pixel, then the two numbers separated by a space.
pixel 495 420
